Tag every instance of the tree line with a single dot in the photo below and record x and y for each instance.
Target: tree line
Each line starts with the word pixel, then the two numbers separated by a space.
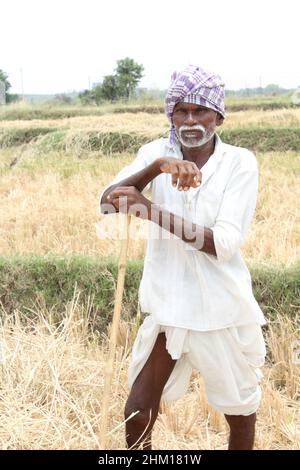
pixel 120 85
pixel 123 83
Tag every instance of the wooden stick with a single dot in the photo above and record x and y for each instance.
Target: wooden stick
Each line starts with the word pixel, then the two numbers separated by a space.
pixel 109 369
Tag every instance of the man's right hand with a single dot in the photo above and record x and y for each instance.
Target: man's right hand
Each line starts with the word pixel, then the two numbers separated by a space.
pixel 185 174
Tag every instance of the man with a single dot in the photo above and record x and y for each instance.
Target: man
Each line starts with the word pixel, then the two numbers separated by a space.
pixel 195 286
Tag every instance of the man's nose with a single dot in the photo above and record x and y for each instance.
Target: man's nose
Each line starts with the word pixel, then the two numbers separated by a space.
pixel 191 119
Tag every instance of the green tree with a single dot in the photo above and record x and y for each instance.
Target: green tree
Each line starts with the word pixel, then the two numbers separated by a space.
pixel 120 85
pixel 4 79
pixel 128 75
pixel 87 97
pixel 110 89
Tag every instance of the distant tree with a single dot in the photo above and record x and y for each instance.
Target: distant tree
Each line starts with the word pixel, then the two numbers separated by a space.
pixel 113 87
pixel 4 79
pixel 12 97
pixel 63 98
pixel 96 94
pixel 272 88
pixel 87 97
pixel 110 88
pixel 128 74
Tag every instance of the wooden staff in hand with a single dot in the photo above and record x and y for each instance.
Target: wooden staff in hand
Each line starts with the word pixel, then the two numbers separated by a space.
pixel 120 199
pixel 109 369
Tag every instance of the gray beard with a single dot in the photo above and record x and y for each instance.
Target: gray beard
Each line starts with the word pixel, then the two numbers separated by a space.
pixel 192 142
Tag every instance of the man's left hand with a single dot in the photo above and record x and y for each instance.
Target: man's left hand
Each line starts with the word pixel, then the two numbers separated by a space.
pixel 128 200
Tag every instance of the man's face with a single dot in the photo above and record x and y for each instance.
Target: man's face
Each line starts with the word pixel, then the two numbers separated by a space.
pixel 194 124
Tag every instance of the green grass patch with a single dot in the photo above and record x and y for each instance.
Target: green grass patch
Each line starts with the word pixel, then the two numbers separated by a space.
pixel 30 281
pixel 15 136
pixel 261 139
pixel 48 139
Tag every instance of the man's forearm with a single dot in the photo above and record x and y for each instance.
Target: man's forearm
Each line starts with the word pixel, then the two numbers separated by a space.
pixel 199 237
pixel 139 179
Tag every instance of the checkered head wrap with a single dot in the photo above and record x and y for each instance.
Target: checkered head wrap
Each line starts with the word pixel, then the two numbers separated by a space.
pixel 197 86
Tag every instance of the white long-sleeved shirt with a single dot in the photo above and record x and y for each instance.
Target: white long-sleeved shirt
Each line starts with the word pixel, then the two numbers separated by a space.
pixel 184 287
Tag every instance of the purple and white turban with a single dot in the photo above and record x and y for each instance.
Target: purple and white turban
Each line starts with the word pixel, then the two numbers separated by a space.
pixel 194 85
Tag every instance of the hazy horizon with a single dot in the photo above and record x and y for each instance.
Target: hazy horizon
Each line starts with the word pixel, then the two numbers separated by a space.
pixel 63 46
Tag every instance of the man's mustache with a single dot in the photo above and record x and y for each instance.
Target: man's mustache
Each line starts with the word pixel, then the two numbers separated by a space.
pixel 195 127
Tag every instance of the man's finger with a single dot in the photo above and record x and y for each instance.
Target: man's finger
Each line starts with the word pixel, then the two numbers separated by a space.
pixel 198 179
pixel 191 181
pixel 117 193
pixel 175 177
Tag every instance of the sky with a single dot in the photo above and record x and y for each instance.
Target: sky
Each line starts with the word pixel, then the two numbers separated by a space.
pixel 56 46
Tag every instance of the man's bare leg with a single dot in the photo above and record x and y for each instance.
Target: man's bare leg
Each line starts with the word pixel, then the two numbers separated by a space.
pixel 242 432
pixel 145 395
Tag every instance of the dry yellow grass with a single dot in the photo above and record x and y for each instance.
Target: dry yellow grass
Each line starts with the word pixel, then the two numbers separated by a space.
pixel 273 118
pixel 41 211
pixel 275 232
pixel 140 123
pixel 156 124
pixel 48 213
pixel 52 384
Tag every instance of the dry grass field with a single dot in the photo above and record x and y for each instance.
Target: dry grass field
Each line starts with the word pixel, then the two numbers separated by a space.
pixel 52 205
pixel 52 383
pixel 153 124
pixel 52 376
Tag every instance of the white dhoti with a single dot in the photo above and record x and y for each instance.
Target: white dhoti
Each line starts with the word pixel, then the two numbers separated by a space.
pixel 228 360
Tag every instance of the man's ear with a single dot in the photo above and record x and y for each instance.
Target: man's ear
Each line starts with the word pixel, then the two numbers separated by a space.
pixel 219 120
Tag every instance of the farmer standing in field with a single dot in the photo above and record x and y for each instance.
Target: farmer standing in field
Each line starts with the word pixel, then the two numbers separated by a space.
pixel 195 288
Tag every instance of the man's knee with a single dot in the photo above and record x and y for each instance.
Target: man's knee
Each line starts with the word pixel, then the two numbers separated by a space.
pixel 138 414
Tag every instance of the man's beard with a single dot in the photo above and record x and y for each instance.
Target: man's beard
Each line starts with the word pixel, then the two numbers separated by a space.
pixel 192 142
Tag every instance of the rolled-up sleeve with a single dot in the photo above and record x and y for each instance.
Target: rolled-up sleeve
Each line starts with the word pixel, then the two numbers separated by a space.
pixel 236 210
